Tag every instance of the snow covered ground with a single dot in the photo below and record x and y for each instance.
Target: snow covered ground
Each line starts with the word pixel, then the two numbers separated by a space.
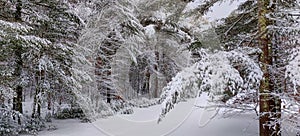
pixel 183 120
pixel 72 127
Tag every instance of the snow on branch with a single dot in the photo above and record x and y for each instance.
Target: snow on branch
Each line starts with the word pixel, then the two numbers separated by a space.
pixel 183 84
pixel 223 75
pixel 14 27
pixel 293 68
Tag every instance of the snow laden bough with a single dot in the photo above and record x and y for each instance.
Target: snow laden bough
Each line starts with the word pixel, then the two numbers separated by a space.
pixel 291 98
pixel 227 78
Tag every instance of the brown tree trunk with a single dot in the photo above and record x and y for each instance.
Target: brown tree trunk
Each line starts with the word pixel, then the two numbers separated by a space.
pixel 267 101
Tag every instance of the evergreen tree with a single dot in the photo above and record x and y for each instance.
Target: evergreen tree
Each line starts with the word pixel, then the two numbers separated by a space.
pixel 253 24
pixel 39 43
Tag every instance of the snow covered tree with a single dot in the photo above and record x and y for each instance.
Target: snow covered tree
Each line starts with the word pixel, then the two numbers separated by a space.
pixel 16 41
pixel 278 33
pixel 273 20
pixel 132 32
pixel 38 48
pixel 240 27
pixel 119 42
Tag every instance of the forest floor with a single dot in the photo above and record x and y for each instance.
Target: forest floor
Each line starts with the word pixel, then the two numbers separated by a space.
pixel 183 120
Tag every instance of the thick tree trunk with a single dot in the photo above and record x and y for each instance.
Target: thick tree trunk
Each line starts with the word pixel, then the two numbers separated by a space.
pixel 268 103
pixel 17 100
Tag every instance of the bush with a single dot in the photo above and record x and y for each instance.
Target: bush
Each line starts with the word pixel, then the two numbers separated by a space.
pixel 9 125
pixel 33 125
pixel 9 122
pixel 127 110
pixel 69 113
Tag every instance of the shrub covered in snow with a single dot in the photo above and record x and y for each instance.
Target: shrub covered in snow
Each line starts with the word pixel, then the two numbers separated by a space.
pixel 67 113
pixel 143 102
pixel 13 123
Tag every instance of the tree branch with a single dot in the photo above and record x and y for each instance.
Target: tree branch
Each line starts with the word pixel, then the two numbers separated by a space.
pixel 226 33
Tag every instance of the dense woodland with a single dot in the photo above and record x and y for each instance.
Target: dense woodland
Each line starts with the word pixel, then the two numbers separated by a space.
pixel 90 59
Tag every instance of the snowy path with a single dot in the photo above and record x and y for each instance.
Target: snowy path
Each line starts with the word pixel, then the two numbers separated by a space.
pixel 183 120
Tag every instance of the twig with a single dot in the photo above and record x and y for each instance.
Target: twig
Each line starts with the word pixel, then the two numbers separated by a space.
pixel 226 106
pixel 254 37
pixel 227 31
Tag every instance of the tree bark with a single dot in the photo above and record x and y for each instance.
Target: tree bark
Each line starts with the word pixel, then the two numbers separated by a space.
pixel 35 98
pixel 49 105
pixel 267 99
pixel 17 100
pixel 34 104
pixel 156 78
pixel 108 95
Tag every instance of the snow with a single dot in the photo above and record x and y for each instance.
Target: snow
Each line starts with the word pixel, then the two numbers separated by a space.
pixel 193 5
pixel 15 27
pixel 150 31
pixel 217 73
pixel 183 120
pixel 144 121
pixel 33 41
pixel 293 68
pixel 238 126
pixel 72 127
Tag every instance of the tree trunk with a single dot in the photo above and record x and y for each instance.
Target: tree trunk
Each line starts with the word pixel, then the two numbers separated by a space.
pixel 17 100
pixel 38 111
pixel 2 100
pixel 108 95
pixel 156 78
pixel 34 105
pixel 40 77
pixel 49 105
pixel 267 100
pixel 35 99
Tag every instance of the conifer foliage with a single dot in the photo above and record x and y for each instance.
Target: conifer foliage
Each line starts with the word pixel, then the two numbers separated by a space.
pixel 37 48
